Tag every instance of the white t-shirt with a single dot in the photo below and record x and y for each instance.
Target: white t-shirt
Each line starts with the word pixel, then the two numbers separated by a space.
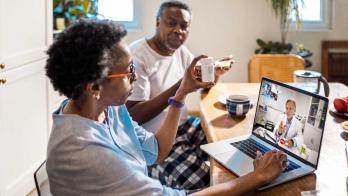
pixel 155 74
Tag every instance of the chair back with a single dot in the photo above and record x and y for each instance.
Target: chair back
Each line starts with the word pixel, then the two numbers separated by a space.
pixel 278 67
pixel 41 180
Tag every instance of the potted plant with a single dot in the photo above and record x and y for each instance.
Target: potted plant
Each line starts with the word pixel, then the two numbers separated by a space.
pixel 71 10
pixel 285 10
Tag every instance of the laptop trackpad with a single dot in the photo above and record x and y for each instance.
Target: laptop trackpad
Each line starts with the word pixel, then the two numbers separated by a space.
pixel 236 161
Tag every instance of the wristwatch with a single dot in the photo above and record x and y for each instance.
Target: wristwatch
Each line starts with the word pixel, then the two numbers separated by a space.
pixel 175 103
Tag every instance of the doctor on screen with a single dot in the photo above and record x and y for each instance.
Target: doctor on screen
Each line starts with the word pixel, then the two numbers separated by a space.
pixel 289 127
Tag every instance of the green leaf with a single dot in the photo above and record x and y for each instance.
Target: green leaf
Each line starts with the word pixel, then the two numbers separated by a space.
pixel 86 5
pixel 76 10
pixel 261 43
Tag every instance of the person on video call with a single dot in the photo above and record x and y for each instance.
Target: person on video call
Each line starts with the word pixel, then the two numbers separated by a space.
pixel 289 127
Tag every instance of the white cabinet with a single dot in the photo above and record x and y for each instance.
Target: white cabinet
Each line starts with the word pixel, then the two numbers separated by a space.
pixel 23 125
pixel 25 33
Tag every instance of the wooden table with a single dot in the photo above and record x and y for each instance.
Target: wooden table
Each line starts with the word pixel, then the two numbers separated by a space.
pixel 329 179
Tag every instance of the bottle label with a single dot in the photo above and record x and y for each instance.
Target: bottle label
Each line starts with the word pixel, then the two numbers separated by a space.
pixel 208 74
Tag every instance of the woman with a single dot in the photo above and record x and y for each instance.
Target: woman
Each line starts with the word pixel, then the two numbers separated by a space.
pixel 95 148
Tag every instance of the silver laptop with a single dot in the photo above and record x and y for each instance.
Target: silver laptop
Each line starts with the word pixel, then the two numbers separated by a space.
pixel 305 132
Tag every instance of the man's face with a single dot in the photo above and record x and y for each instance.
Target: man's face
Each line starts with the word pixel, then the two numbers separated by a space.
pixel 290 109
pixel 173 27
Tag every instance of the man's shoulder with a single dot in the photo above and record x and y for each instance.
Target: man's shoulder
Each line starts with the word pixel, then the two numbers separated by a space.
pixel 141 52
pixel 139 44
pixel 184 49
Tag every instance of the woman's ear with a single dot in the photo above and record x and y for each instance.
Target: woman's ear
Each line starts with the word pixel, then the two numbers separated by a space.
pixel 95 86
pixel 94 89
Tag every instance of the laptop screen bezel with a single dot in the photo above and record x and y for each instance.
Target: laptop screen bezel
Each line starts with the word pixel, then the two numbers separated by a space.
pixel 300 91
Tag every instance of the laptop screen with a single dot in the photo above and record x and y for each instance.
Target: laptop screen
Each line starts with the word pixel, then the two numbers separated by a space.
pixel 291 119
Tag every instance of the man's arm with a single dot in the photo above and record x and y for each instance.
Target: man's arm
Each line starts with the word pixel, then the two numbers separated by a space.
pixel 143 111
pixel 298 139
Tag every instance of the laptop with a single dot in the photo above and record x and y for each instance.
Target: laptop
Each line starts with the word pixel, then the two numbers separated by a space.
pixel 237 154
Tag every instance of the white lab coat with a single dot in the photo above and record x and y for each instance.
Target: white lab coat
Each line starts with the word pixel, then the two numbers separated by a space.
pixel 294 132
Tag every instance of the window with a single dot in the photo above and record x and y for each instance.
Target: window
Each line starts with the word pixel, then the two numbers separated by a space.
pixel 316 15
pixel 122 11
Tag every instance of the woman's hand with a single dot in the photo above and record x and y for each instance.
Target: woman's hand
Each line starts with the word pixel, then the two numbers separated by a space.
pixel 270 165
pixel 191 80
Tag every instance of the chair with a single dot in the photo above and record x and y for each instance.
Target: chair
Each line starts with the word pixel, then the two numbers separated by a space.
pixel 278 67
pixel 41 180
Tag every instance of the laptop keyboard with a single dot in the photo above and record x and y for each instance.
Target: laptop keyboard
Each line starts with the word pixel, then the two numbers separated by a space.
pixel 250 146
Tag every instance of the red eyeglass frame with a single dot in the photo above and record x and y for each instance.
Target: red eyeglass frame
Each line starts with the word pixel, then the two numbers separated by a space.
pixel 118 75
pixel 131 74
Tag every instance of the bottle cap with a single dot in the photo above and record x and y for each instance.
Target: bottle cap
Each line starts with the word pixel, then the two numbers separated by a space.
pixel 207 61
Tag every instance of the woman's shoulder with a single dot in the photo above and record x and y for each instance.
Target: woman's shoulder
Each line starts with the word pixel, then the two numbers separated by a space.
pixel 76 130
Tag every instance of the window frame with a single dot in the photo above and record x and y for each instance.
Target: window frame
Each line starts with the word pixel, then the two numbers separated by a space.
pixel 325 24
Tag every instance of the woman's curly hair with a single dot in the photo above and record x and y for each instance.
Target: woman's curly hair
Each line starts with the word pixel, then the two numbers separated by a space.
pixel 81 54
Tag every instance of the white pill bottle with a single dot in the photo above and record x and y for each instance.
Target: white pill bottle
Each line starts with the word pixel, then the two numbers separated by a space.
pixel 207 69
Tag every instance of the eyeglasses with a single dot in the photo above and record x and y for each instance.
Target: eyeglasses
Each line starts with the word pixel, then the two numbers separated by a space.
pixel 131 75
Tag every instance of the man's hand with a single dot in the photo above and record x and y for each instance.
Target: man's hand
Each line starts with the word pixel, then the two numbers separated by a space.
pixel 221 67
pixel 224 65
pixel 281 128
pixel 190 82
pixel 289 143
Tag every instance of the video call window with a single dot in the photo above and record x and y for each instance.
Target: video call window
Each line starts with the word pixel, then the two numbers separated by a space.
pixel 290 119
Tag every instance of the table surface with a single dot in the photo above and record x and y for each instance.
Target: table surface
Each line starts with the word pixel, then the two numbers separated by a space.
pixel 329 178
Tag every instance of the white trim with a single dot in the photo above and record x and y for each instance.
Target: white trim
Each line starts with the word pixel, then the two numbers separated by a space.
pixel 49 41
pixel 1 36
pixel 49 23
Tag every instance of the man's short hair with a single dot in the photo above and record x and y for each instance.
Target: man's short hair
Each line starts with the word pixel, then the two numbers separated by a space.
pixel 292 101
pixel 172 3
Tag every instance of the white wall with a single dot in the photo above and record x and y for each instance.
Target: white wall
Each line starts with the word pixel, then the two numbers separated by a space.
pixel 222 27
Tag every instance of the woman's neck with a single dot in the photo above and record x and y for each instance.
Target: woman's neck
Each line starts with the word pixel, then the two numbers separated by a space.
pixel 85 108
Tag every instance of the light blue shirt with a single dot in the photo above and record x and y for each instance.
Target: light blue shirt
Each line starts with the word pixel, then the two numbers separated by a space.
pixel 85 157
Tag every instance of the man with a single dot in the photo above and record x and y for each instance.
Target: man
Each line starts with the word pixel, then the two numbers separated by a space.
pixel 289 127
pixel 161 61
